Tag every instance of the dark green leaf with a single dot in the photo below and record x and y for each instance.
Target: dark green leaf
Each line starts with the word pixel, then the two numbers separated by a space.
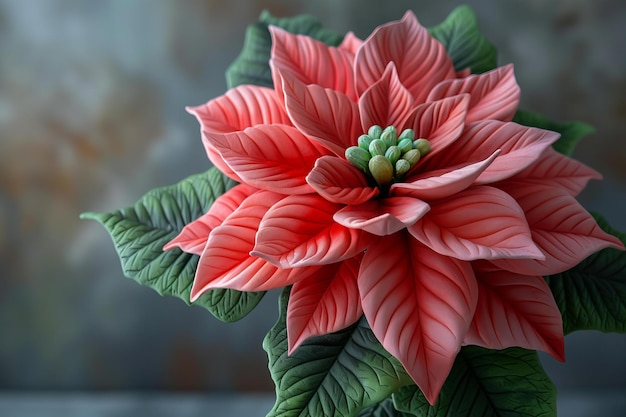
pixel 384 408
pixel 338 374
pixel 140 232
pixel 467 47
pixel 252 64
pixel 571 132
pixel 592 295
pixel 487 383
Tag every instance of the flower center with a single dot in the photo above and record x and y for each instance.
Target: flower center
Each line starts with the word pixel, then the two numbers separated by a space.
pixel 386 157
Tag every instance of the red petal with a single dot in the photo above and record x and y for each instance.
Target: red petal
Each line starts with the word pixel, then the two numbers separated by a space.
pixel 419 304
pixel 478 223
pixel 386 103
pixel 272 157
pixel 516 310
pixel 351 43
pixel 241 107
pixel 311 61
pixel 521 146
pixel 323 303
pixel 338 181
pixel 441 122
pixel 441 183
pixel 495 94
pixel 194 236
pixel 382 217
pixel 556 169
pixel 226 263
pixel 328 116
pixel 564 231
pixel 421 60
pixel 300 231
pixel 218 162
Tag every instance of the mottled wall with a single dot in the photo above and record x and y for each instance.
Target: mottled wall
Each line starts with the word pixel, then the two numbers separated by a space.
pixel 92 97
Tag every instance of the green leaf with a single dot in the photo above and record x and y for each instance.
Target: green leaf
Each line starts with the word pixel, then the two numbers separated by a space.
pixel 338 374
pixel 571 132
pixel 467 47
pixel 140 232
pixel 592 295
pixel 384 408
pixel 487 383
pixel 252 64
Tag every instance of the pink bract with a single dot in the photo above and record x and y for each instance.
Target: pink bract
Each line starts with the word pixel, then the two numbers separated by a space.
pixel 451 255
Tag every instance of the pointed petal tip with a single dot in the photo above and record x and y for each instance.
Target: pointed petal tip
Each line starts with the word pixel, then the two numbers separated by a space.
pixel 276 29
pixel 409 15
pixel 293 345
pixel 195 293
pixel 559 352
pixel 615 243
pixel 170 245
pixel 276 32
pixel 195 111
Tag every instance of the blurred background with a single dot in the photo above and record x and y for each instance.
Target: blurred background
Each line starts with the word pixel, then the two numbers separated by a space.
pixel 92 97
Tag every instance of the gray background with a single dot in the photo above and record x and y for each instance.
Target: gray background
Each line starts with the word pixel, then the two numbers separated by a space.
pixel 92 97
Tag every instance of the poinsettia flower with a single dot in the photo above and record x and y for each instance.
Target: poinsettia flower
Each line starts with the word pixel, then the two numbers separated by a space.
pixel 377 180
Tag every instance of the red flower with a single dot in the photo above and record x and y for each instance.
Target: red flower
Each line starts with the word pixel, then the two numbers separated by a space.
pixel 440 241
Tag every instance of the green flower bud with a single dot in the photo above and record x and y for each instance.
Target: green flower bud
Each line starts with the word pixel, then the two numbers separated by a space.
pixel 407 134
pixel 390 136
pixel 412 156
pixel 422 145
pixel 364 142
pixel 393 154
pixel 381 169
pixel 405 145
pixel 402 167
pixel 375 131
pixel 358 157
pixel 377 147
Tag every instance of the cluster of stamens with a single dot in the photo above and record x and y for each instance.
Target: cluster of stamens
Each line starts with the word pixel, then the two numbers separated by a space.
pixel 384 156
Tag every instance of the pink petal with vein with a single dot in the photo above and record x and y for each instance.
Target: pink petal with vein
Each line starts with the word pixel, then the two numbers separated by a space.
pixel 300 231
pixel 311 61
pixel 323 303
pixel 421 60
pixel 441 183
pixel 521 146
pixel 328 116
pixel 382 217
pixel 217 160
pixel 556 169
pixel 270 157
pixel 386 103
pixel 351 43
pixel 338 181
pixel 194 236
pixel 241 107
pixel 226 263
pixel 494 94
pixel 478 223
pixel 564 231
pixel 516 310
pixel 441 122
pixel 419 305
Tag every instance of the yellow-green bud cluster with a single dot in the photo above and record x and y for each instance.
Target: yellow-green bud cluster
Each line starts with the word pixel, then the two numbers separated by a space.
pixel 386 156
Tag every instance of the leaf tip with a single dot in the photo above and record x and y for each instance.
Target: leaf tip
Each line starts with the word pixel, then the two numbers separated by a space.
pixel 90 215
